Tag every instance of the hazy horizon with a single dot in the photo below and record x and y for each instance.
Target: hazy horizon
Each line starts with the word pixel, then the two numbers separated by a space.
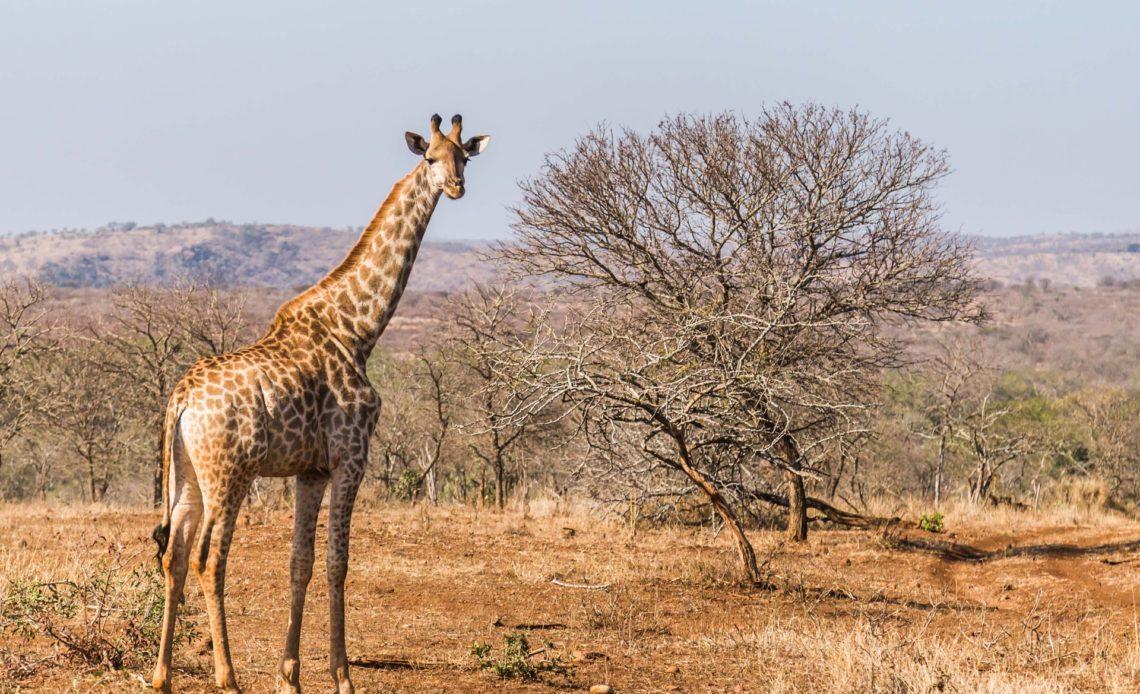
pixel 285 113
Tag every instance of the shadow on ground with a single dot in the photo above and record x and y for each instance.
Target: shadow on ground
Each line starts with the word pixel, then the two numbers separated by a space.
pixel 954 551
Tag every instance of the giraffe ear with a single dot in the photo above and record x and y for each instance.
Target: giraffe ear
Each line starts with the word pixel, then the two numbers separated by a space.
pixel 416 143
pixel 476 145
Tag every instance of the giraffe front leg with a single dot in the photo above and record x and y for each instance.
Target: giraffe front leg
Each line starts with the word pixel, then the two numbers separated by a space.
pixel 346 481
pixel 310 491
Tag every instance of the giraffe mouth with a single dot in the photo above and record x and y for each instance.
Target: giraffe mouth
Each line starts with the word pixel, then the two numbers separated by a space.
pixel 454 192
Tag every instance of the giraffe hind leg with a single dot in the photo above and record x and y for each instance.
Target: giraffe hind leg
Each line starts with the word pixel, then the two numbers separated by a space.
pixel 186 510
pixel 213 551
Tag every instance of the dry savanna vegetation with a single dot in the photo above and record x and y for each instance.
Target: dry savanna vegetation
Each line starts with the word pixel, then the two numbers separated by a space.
pixel 729 411
pixel 846 611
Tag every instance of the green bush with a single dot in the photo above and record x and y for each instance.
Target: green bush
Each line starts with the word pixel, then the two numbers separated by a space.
pixel 932 522
pixel 515 662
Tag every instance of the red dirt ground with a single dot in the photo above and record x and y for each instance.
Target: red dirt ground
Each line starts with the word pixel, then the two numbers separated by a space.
pixel 848 611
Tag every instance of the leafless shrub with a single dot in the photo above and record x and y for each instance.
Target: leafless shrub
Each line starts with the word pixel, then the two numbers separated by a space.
pixel 153 334
pixel 1110 419
pixel 24 336
pixel 499 424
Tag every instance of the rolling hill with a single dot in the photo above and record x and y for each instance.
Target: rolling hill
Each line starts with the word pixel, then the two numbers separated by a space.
pixel 282 255
pixel 266 255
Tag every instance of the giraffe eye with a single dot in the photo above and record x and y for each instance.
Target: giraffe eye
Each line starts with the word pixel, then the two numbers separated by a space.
pixel 429 160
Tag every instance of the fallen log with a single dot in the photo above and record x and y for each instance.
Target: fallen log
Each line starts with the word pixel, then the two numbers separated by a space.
pixel 830 513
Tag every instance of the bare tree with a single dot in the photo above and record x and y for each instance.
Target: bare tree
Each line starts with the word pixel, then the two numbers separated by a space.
pixel 396 443
pixel 729 285
pixel 153 334
pixel 35 471
pixel 993 443
pixel 144 343
pixel 438 400
pixel 213 321
pixel 962 414
pixel 483 317
pixel 24 337
pixel 42 460
pixel 92 415
pixel 414 436
pixel 952 376
pixel 1109 419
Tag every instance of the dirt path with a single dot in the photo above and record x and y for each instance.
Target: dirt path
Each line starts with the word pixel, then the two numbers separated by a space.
pixel 1065 565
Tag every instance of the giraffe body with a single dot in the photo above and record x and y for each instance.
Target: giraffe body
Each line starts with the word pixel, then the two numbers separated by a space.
pixel 297 402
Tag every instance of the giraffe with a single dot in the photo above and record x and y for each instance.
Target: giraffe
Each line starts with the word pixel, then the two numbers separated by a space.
pixel 297 403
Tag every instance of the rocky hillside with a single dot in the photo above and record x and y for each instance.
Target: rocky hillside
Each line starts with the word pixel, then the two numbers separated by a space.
pixel 267 255
pixel 280 255
pixel 1079 260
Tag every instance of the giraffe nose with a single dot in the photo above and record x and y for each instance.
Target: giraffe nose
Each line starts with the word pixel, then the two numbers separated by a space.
pixel 454 188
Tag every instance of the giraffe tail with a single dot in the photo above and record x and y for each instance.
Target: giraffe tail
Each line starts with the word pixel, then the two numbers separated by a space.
pixel 161 533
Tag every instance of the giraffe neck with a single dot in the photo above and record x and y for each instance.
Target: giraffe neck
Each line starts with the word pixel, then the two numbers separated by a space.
pixel 357 299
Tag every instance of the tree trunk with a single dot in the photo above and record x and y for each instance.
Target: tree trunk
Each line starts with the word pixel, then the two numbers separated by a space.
pixel 90 481
pixel 744 549
pixel 158 473
pixel 386 476
pixel 833 483
pixel 797 498
pixel 979 484
pixel 831 513
pixel 985 479
pixel 797 507
pixel 431 486
pixel 500 483
pixel 939 471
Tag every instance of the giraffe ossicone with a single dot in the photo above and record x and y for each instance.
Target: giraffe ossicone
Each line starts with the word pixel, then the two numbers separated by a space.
pixel 295 403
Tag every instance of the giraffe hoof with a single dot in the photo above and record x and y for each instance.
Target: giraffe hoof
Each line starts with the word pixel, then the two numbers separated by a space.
pixel 286 687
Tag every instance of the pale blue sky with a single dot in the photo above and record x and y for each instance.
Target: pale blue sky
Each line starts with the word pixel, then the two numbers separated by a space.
pixel 287 112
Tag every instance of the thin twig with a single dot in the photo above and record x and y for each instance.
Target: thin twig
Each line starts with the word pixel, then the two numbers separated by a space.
pixel 581 586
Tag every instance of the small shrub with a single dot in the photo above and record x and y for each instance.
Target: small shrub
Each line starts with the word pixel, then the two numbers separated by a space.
pixel 109 619
pixel 515 662
pixel 406 485
pixel 932 522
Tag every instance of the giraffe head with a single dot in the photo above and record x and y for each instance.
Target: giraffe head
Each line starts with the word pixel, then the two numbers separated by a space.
pixel 446 155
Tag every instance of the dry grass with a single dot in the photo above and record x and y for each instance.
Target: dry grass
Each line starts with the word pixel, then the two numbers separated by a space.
pixel 847 614
pixel 1079 502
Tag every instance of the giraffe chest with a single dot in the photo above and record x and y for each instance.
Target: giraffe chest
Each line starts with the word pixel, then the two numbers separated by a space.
pixel 318 427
